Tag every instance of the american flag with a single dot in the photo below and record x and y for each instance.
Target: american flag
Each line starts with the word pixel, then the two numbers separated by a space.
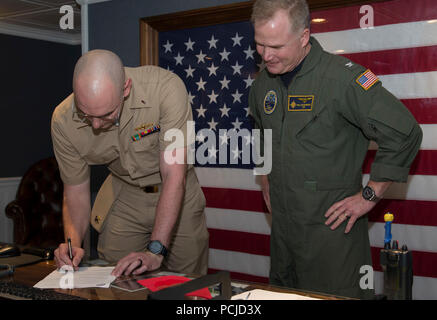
pixel 218 65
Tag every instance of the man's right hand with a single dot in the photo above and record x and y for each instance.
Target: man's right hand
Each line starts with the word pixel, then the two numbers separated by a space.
pixel 62 258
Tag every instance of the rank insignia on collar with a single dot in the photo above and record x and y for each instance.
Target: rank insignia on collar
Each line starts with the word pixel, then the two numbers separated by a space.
pixel 270 101
pixel 145 132
pixel 367 79
pixel 300 103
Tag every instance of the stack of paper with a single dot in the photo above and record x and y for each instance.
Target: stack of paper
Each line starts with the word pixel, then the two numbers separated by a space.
pixel 85 277
pixel 259 294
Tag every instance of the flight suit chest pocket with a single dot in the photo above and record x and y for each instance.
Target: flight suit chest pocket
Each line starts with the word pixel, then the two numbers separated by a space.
pixel 322 127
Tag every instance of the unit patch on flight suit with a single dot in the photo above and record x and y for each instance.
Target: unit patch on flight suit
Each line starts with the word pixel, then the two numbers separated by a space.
pixel 270 101
pixel 300 103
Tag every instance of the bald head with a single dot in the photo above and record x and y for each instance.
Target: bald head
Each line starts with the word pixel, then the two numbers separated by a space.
pixel 98 71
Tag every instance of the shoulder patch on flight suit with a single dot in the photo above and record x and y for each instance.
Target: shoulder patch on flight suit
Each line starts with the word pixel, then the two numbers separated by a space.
pixel 367 79
pixel 300 103
pixel 270 101
pixel 145 132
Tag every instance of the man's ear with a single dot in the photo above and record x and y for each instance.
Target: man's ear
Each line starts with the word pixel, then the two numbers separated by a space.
pixel 127 87
pixel 305 37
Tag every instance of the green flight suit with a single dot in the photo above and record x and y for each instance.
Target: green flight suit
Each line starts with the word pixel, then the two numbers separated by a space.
pixel 321 128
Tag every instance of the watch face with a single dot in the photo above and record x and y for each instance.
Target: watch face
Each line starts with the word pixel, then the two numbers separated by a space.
pixel 155 247
pixel 368 193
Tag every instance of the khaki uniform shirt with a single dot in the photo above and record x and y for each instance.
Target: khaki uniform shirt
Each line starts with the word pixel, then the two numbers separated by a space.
pixel 157 98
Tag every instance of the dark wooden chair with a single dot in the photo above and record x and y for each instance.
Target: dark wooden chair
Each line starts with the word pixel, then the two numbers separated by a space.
pixel 37 209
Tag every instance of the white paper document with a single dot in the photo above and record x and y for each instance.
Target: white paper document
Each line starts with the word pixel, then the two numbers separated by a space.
pixel 85 277
pixel 259 294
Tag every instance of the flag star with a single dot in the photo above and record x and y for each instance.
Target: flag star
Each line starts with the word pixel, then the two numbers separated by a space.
pixel 247 111
pixel 179 59
pixel 225 82
pixel 212 124
pixel 225 110
pixel 189 44
pixel 168 68
pixel 190 71
pixel 249 53
pixel 237 96
pixel 224 54
pixel 237 68
pixel 168 46
pixel 213 97
pixel 201 112
pixel 236 40
pixel 249 139
pixel 200 137
pixel 212 42
pixel 237 124
pixel 190 97
pixel 201 84
pixel 212 152
pixel 224 138
pixel 201 57
pixel 248 81
pixel 236 153
pixel 212 69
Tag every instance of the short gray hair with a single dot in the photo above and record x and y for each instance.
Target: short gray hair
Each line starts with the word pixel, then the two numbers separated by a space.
pixel 298 12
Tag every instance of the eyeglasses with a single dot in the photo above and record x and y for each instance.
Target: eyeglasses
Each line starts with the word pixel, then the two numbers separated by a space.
pixel 104 118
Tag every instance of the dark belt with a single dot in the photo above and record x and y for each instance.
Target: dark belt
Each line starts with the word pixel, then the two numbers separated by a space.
pixel 151 189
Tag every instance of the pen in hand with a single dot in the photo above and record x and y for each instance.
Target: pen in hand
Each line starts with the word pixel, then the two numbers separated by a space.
pixel 70 250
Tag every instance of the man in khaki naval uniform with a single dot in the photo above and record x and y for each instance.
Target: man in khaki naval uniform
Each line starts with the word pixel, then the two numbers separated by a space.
pixel 148 211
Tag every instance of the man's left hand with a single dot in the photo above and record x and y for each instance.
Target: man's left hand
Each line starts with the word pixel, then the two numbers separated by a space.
pixel 351 207
pixel 137 263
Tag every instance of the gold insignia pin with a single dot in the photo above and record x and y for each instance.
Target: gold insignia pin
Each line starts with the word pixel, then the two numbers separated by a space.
pixel 144 127
pixel 97 219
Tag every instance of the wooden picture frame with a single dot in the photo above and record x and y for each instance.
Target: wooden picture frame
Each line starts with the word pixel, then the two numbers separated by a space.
pixel 151 26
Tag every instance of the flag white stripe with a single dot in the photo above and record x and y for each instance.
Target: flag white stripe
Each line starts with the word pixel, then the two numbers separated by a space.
pixel 392 36
pixel 418 187
pixel 237 220
pixel 411 85
pixel 420 238
pixel 233 261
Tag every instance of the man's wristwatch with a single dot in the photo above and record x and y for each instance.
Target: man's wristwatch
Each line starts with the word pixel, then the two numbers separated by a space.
pixel 156 247
pixel 369 194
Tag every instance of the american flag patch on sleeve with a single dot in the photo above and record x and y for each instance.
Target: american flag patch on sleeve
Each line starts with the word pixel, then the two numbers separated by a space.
pixel 367 79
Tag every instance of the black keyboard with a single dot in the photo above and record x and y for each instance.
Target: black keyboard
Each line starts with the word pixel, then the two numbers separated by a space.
pixel 17 291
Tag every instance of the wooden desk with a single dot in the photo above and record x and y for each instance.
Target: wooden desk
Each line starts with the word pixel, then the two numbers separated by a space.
pixel 31 274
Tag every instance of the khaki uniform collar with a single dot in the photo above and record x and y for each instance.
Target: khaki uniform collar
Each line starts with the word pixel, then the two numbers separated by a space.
pixel 133 101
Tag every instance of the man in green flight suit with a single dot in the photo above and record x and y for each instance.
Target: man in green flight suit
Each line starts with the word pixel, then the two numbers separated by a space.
pixel 323 111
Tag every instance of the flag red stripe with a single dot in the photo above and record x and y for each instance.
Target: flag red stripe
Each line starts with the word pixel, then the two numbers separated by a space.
pixel 423 262
pixel 253 243
pixel 423 164
pixel 235 199
pixel 413 212
pixel 389 12
pixel 406 60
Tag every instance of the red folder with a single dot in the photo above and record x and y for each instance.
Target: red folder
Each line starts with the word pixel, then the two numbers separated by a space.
pixel 158 283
